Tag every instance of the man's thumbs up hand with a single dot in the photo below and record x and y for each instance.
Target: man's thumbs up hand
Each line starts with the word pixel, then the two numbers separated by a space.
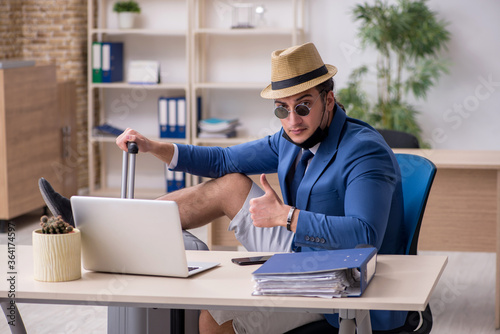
pixel 268 210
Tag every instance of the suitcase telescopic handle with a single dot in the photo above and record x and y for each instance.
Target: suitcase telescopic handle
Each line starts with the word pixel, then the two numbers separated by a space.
pixel 128 170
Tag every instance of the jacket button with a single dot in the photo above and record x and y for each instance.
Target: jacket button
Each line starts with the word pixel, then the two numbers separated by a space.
pixel 307 238
pixel 322 240
pixel 317 239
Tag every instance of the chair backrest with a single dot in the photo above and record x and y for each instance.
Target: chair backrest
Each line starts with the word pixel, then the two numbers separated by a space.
pixel 417 176
pixel 399 139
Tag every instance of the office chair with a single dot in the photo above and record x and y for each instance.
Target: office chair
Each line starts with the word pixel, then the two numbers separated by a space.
pixel 417 174
pixel 399 139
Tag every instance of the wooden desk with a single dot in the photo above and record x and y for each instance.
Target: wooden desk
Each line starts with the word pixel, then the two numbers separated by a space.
pixel 462 213
pixel 400 283
pixel 463 210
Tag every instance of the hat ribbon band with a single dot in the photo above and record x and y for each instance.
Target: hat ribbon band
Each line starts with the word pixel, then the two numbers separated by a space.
pixel 299 79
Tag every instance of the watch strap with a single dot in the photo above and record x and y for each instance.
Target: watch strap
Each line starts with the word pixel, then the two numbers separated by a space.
pixel 289 219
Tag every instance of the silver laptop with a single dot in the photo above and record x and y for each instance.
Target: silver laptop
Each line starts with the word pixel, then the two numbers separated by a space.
pixel 132 236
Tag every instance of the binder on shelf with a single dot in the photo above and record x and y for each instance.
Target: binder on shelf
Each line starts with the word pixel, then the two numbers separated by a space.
pixel 163 117
pixel 179 180
pixel 331 273
pixel 96 62
pixel 175 180
pixel 172 117
pixel 181 117
pixel 170 179
pixel 112 62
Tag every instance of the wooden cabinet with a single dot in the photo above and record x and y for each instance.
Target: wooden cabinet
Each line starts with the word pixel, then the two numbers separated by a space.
pixel 30 137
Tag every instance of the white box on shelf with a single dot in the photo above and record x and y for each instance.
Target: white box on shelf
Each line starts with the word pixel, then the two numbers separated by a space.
pixel 143 72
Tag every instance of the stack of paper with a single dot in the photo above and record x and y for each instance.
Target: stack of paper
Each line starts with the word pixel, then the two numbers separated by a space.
pixel 328 284
pixel 335 273
pixel 217 128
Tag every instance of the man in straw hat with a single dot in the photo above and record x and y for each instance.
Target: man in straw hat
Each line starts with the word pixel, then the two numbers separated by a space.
pixel 350 193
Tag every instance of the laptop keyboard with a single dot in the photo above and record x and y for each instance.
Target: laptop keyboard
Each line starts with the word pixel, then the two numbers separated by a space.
pixel 192 268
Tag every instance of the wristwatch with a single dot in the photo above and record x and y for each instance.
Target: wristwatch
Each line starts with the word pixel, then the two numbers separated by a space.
pixel 289 219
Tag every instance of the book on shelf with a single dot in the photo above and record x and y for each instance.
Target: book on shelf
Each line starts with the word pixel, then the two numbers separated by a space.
pixel 217 128
pixel 328 274
pixel 107 129
pixel 172 117
pixel 217 124
pixel 230 134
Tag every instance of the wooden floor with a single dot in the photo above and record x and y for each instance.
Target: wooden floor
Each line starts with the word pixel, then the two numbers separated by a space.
pixel 463 302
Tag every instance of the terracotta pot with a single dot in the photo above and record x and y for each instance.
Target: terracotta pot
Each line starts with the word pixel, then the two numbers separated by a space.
pixel 57 257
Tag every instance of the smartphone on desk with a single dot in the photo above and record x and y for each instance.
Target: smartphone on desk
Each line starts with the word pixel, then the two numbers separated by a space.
pixel 245 261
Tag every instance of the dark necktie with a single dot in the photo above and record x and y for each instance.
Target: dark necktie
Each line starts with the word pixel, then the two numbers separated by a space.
pixel 299 174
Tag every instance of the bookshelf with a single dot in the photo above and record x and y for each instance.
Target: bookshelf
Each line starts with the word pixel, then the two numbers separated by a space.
pixel 220 71
pixel 232 65
pixel 161 33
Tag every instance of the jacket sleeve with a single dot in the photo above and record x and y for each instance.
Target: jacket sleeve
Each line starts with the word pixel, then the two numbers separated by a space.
pixel 370 183
pixel 258 156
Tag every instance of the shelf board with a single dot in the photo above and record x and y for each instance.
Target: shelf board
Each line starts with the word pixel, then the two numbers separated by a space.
pixel 246 31
pixel 138 193
pixel 231 85
pixel 121 85
pixel 156 32
pixel 112 139
pixel 222 141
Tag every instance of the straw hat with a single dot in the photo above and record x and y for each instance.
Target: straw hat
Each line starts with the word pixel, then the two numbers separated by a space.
pixel 295 70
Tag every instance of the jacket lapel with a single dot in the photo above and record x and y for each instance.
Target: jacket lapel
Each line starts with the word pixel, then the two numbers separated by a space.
pixel 287 158
pixel 322 159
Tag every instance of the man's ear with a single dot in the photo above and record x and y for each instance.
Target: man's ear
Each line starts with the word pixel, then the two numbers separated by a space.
pixel 330 101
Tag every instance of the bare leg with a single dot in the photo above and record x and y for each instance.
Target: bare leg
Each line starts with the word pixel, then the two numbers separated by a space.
pixel 209 326
pixel 200 204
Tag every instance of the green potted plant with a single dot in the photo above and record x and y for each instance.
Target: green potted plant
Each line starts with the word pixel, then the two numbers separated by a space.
pixel 408 37
pixel 56 251
pixel 127 11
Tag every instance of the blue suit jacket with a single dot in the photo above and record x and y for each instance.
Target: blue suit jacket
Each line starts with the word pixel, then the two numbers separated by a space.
pixel 351 193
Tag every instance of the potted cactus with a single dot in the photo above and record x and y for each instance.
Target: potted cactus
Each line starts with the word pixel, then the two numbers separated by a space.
pixel 56 251
pixel 127 11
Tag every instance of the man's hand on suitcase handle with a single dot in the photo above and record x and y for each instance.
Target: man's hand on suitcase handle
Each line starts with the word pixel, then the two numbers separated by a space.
pixel 162 150
pixel 130 135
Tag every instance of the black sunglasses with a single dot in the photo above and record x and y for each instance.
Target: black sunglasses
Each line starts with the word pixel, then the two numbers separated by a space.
pixel 300 109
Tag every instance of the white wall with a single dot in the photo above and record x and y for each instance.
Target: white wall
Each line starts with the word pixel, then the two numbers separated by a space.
pixel 462 111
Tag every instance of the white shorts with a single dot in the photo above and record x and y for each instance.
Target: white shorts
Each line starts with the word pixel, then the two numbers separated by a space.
pixel 259 322
pixel 258 239
pixel 276 239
